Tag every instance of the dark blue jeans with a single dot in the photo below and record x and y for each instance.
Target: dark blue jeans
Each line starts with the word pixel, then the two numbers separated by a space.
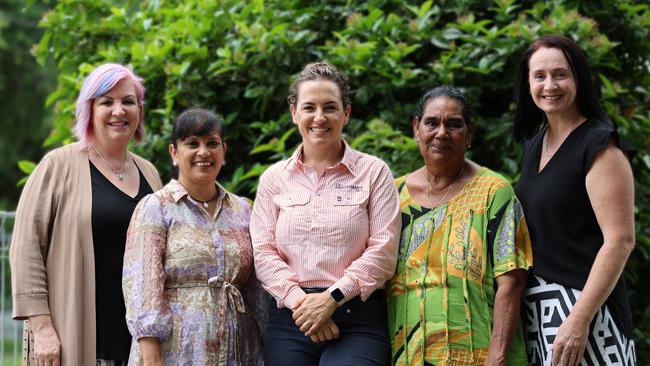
pixel 363 340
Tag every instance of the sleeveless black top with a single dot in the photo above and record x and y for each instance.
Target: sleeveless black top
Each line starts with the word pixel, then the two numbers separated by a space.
pixel 110 217
pixel 562 224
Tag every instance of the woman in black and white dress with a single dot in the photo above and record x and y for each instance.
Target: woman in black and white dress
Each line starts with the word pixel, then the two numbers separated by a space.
pixel 577 191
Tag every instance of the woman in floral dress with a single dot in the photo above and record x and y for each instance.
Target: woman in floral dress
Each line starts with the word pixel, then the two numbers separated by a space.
pixel 189 284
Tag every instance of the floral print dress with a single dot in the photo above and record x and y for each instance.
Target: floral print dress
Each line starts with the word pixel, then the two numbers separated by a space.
pixel 189 281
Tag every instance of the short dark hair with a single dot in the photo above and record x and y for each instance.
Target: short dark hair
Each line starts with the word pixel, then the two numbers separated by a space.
pixel 446 91
pixel 195 122
pixel 321 71
pixel 528 117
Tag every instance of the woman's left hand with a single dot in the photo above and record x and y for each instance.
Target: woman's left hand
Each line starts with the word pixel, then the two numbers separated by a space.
pixel 313 311
pixel 570 342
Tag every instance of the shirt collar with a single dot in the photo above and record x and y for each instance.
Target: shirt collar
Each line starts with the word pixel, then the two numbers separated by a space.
pixel 177 191
pixel 349 160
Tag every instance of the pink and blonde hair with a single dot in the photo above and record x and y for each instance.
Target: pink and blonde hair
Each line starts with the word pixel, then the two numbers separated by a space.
pixel 98 83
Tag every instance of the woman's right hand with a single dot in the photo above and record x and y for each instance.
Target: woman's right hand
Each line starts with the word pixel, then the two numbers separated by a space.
pixel 326 332
pixel 150 348
pixel 47 346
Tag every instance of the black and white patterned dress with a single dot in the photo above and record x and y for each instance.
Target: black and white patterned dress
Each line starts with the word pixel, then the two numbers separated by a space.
pixel 566 238
pixel 547 304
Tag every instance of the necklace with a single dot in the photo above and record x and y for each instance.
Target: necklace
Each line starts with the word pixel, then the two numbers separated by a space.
pixel 118 172
pixel 207 202
pixel 548 155
pixel 426 175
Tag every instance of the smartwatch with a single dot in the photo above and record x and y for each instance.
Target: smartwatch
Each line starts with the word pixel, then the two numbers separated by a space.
pixel 337 295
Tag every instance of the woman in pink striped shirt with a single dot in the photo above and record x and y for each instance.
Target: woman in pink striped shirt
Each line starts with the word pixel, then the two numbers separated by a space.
pixel 324 230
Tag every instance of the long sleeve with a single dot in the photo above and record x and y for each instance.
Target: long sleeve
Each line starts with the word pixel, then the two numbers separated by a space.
pixel 271 269
pixel 377 263
pixel 148 313
pixel 30 242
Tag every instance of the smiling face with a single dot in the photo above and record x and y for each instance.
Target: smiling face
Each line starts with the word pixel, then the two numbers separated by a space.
pixel 319 114
pixel 199 159
pixel 552 85
pixel 442 133
pixel 115 115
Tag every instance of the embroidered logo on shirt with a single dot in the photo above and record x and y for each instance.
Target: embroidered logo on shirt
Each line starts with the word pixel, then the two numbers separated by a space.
pixel 349 187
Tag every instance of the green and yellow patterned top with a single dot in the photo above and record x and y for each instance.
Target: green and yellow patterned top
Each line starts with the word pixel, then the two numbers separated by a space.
pixel 441 297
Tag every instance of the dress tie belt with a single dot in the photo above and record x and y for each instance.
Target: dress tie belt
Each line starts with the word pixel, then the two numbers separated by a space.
pixel 233 295
pixel 234 300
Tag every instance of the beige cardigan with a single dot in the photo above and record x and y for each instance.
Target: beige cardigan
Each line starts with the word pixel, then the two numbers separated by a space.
pixel 51 254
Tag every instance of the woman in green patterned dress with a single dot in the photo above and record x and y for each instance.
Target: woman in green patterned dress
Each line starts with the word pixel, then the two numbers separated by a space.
pixel 464 250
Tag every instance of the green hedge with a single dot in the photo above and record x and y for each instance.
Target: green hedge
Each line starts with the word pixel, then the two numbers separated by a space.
pixel 238 57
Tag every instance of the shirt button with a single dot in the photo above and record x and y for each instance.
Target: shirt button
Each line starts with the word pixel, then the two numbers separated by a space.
pixel 348 311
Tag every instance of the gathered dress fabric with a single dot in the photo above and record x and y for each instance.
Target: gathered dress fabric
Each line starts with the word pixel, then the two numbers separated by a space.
pixel 52 252
pixel 442 295
pixel 566 238
pixel 189 281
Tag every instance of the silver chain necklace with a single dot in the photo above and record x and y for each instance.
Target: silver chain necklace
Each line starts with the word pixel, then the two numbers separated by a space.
pixel 118 172
pixel 547 136
pixel 426 174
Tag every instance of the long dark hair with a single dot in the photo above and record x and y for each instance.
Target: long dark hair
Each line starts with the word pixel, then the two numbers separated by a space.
pixel 529 118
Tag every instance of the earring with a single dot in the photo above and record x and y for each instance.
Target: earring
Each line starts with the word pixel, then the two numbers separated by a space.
pixel 469 144
pixel 224 162
pixel 174 163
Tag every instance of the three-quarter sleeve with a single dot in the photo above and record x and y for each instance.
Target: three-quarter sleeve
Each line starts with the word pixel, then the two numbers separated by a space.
pixel 274 272
pixel 30 241
pixel 377 263
pixel 510 240
pixel 148 313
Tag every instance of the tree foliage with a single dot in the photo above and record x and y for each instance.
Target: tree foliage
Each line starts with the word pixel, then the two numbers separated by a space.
pixel 238 57
pixel 23 88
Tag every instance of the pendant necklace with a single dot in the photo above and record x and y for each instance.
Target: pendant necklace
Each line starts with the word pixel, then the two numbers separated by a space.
pixel 426 174
pixel 118 172
pixel 207 202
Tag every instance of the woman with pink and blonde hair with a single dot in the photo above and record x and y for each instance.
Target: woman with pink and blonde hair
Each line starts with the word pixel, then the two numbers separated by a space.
pixel 68 241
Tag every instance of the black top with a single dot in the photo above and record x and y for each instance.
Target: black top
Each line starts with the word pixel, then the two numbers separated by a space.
pixel 111 213
pixel 564 231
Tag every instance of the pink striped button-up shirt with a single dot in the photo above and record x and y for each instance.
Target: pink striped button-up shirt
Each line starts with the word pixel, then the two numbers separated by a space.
pixel 338 230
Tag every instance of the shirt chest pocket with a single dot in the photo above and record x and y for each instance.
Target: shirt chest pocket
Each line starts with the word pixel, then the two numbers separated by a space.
pixel 348 214
pixel 357 199
pixel 289 200
pixel 293 213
